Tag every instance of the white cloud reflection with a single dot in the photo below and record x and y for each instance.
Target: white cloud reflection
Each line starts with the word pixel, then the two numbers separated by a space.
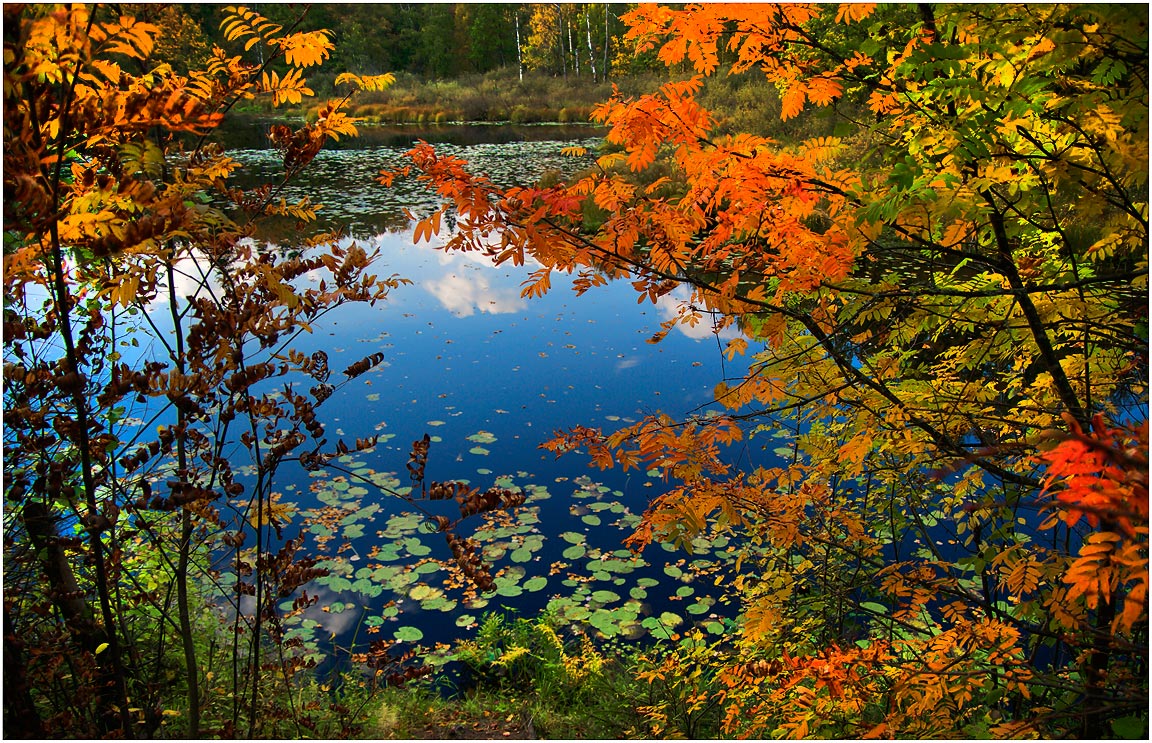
pixel 465 296
pixel 669 307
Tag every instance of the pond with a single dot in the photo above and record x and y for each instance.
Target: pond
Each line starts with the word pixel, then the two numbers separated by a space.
pixel 489 375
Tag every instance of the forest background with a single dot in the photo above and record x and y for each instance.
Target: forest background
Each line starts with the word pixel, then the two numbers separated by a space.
pixel 996 394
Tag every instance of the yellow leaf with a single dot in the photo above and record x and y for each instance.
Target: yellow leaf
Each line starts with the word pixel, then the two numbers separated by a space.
pixel 735 346
pixel 955 233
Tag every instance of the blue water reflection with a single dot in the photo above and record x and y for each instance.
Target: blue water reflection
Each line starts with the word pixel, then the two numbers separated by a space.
pixel 465 354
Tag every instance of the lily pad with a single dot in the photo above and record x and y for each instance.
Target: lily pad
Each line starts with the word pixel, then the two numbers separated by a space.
pixel 408 634
pixel 422 592
pixel 605 597
pixel 438 603
pixel 482 437
pixel 479 450
pixel 573 537
pixel 535 584
pixel 465 620
pixel 575 552
pixel 591 519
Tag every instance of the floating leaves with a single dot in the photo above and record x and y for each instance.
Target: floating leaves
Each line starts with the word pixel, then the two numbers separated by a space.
pixel 408 634
pixel 605 589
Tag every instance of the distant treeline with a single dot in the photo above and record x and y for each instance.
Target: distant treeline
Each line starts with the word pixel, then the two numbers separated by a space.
pixel 432 40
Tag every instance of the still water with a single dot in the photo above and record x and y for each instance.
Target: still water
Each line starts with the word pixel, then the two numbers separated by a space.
pixel 489 375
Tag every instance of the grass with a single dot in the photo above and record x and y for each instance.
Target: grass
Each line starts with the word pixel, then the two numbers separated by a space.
pixel 499 96
pixel 524 681
pixel 740 103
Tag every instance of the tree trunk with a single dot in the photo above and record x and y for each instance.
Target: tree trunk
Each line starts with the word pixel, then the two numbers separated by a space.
pixel 78 616
pixel 572 48
pixel 187 640
pixel 591 54
pixel 519 51
pixel 607 13
pixel 21 720
pixel 560 40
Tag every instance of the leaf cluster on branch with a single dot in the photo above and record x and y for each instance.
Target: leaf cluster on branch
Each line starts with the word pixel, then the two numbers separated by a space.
pixel 926 302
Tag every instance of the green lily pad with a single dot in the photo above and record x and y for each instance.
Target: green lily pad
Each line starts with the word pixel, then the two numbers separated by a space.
pixel 465 620
pixel 575 552
pixel 438 603
pixel 435 423
pixel 604 596
pixel 479 451
pixel 417 548
pixel 714 628
pixel 672 571
pixel 698 608
pixel 482 437
pixel 422 592
pixel 523 554
pixel 408 634
pixel 647 582
pixel 401 581
pixel 684 591
pixel 573 537
pixel 535 584
pixel 591 519
pixel 511 591
pixel 637 592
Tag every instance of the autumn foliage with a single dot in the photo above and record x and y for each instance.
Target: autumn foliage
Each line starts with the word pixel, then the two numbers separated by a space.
pixel 942 307
pixel 133 286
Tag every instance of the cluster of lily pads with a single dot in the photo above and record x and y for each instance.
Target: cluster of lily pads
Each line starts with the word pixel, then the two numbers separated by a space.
pixel 392 565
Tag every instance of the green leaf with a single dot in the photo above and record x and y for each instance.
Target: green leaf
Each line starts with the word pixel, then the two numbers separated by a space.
pixel 408 634
pixel 575 552
pixel 1133 727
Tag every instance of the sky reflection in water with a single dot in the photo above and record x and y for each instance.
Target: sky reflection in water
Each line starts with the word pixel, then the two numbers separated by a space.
pixel 465 353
